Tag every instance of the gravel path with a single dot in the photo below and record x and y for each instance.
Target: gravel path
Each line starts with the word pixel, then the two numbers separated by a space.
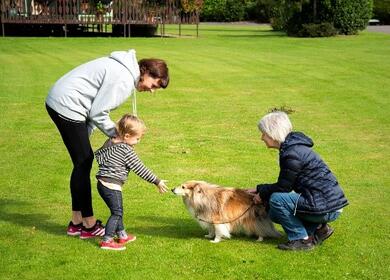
pixel 379 28
pixel 370 28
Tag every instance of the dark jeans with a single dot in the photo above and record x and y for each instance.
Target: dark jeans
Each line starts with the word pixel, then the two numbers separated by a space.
pixel 75 137
pixel 114 201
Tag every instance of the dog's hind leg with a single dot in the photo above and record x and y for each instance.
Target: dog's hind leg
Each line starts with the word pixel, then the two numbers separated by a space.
pixel 209 228
pixel 211 233
pixel 267 229
pixel 221 231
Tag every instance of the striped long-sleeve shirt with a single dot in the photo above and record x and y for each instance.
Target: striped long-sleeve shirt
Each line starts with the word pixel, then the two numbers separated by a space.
pixel 117 160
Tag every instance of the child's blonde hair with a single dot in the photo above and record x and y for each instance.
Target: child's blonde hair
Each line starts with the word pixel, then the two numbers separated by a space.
pixel 130 124
pixel 276 125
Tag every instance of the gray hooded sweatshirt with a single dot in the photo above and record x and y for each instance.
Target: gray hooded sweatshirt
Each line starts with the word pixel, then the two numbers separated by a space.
pixel 90 91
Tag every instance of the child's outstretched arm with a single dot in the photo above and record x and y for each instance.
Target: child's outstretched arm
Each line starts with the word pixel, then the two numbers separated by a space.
pixel 134 163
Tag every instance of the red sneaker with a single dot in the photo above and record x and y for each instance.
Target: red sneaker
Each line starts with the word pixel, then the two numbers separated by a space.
pixel 111 245
pixel 74 230
pixel 129 238
pixel 96 231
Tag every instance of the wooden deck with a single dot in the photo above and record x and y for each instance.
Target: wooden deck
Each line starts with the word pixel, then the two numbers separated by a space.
pixel 120 14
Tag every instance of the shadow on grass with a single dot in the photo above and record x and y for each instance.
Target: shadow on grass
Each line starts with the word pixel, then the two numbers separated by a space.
pixel 175 228
pixel 35 221
pixel 178 228
pixel 231 33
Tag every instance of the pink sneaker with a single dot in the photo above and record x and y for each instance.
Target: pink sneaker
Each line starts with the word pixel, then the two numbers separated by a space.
pixel 96 231
pixel 111 245
pixel 130 238
pixel 74 230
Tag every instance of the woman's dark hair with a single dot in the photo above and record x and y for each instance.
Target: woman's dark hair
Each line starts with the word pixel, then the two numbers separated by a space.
pixel 155 68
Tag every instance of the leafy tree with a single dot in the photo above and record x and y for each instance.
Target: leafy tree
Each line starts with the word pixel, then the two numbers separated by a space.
pixel 191 5
pixel 345 16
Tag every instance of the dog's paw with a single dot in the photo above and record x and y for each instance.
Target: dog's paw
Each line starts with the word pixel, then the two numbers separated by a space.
pixel 260 239
pixel 209 236
pixel 215 240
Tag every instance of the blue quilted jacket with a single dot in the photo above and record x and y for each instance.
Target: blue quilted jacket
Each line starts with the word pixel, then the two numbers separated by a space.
pixel 303 171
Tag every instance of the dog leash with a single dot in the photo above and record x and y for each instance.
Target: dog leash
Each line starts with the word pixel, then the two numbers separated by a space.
pixel 226 222
pixel 134 102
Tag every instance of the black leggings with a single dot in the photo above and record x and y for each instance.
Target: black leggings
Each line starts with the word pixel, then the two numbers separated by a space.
pixel 75 137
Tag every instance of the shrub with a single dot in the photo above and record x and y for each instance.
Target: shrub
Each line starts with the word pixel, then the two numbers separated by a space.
pixel 324 29
pixel 235 10
pixel 350 16
pixel 346 16
pixel 223 10
pixel 282 11
pixel 213 10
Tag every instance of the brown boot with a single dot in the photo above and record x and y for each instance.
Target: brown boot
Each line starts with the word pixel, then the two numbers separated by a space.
pixel 323 233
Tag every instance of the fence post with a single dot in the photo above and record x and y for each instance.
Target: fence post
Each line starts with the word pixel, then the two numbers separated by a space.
pixel 1 18
pixel 197 24
pixel 163 27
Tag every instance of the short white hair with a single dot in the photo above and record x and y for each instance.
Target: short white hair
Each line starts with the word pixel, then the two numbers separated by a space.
pixel 276 125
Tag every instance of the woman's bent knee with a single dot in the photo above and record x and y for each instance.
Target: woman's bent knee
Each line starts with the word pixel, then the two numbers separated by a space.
pixel 275 200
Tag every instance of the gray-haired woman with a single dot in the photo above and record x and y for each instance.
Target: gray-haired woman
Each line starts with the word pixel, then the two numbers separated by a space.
pixel 307 195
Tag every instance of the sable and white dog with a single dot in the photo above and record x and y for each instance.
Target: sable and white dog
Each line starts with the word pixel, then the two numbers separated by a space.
pixel 223 211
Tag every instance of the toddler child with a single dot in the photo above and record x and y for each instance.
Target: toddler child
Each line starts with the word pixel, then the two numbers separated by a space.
pixel 116 158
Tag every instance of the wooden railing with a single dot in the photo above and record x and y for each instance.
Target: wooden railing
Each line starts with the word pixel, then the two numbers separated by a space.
pixel 88 12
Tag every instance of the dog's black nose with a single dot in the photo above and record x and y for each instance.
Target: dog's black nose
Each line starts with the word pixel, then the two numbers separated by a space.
pixel 173 190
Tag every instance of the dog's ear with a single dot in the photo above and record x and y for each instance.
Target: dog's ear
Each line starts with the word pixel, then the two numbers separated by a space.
pixel 198 188
pixel 188 185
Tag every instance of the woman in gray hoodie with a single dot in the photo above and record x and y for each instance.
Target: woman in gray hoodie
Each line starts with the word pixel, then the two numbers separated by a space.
pixel 80 101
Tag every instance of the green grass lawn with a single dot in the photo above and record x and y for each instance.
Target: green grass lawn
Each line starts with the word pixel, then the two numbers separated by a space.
pixel 204 126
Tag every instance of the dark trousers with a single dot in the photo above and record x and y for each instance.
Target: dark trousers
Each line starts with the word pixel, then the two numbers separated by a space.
pixel 114 201
pixel 75 137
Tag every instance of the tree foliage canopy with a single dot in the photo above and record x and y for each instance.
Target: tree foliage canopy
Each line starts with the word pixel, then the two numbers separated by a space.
pixel 345 16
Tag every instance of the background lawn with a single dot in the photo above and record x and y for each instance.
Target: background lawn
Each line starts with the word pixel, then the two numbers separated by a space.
pixel 202 127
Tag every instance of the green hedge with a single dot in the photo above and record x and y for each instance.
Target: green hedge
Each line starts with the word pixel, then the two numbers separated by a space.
pixel 223 10
pixel 324 29
pixel 236 10
pixel 350 16
pixel 346 16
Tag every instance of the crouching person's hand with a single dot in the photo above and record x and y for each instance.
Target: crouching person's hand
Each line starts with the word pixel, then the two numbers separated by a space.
pixel 251 191
pixel 256 199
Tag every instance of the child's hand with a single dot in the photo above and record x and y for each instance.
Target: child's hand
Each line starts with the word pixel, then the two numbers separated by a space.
pixel 162 188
